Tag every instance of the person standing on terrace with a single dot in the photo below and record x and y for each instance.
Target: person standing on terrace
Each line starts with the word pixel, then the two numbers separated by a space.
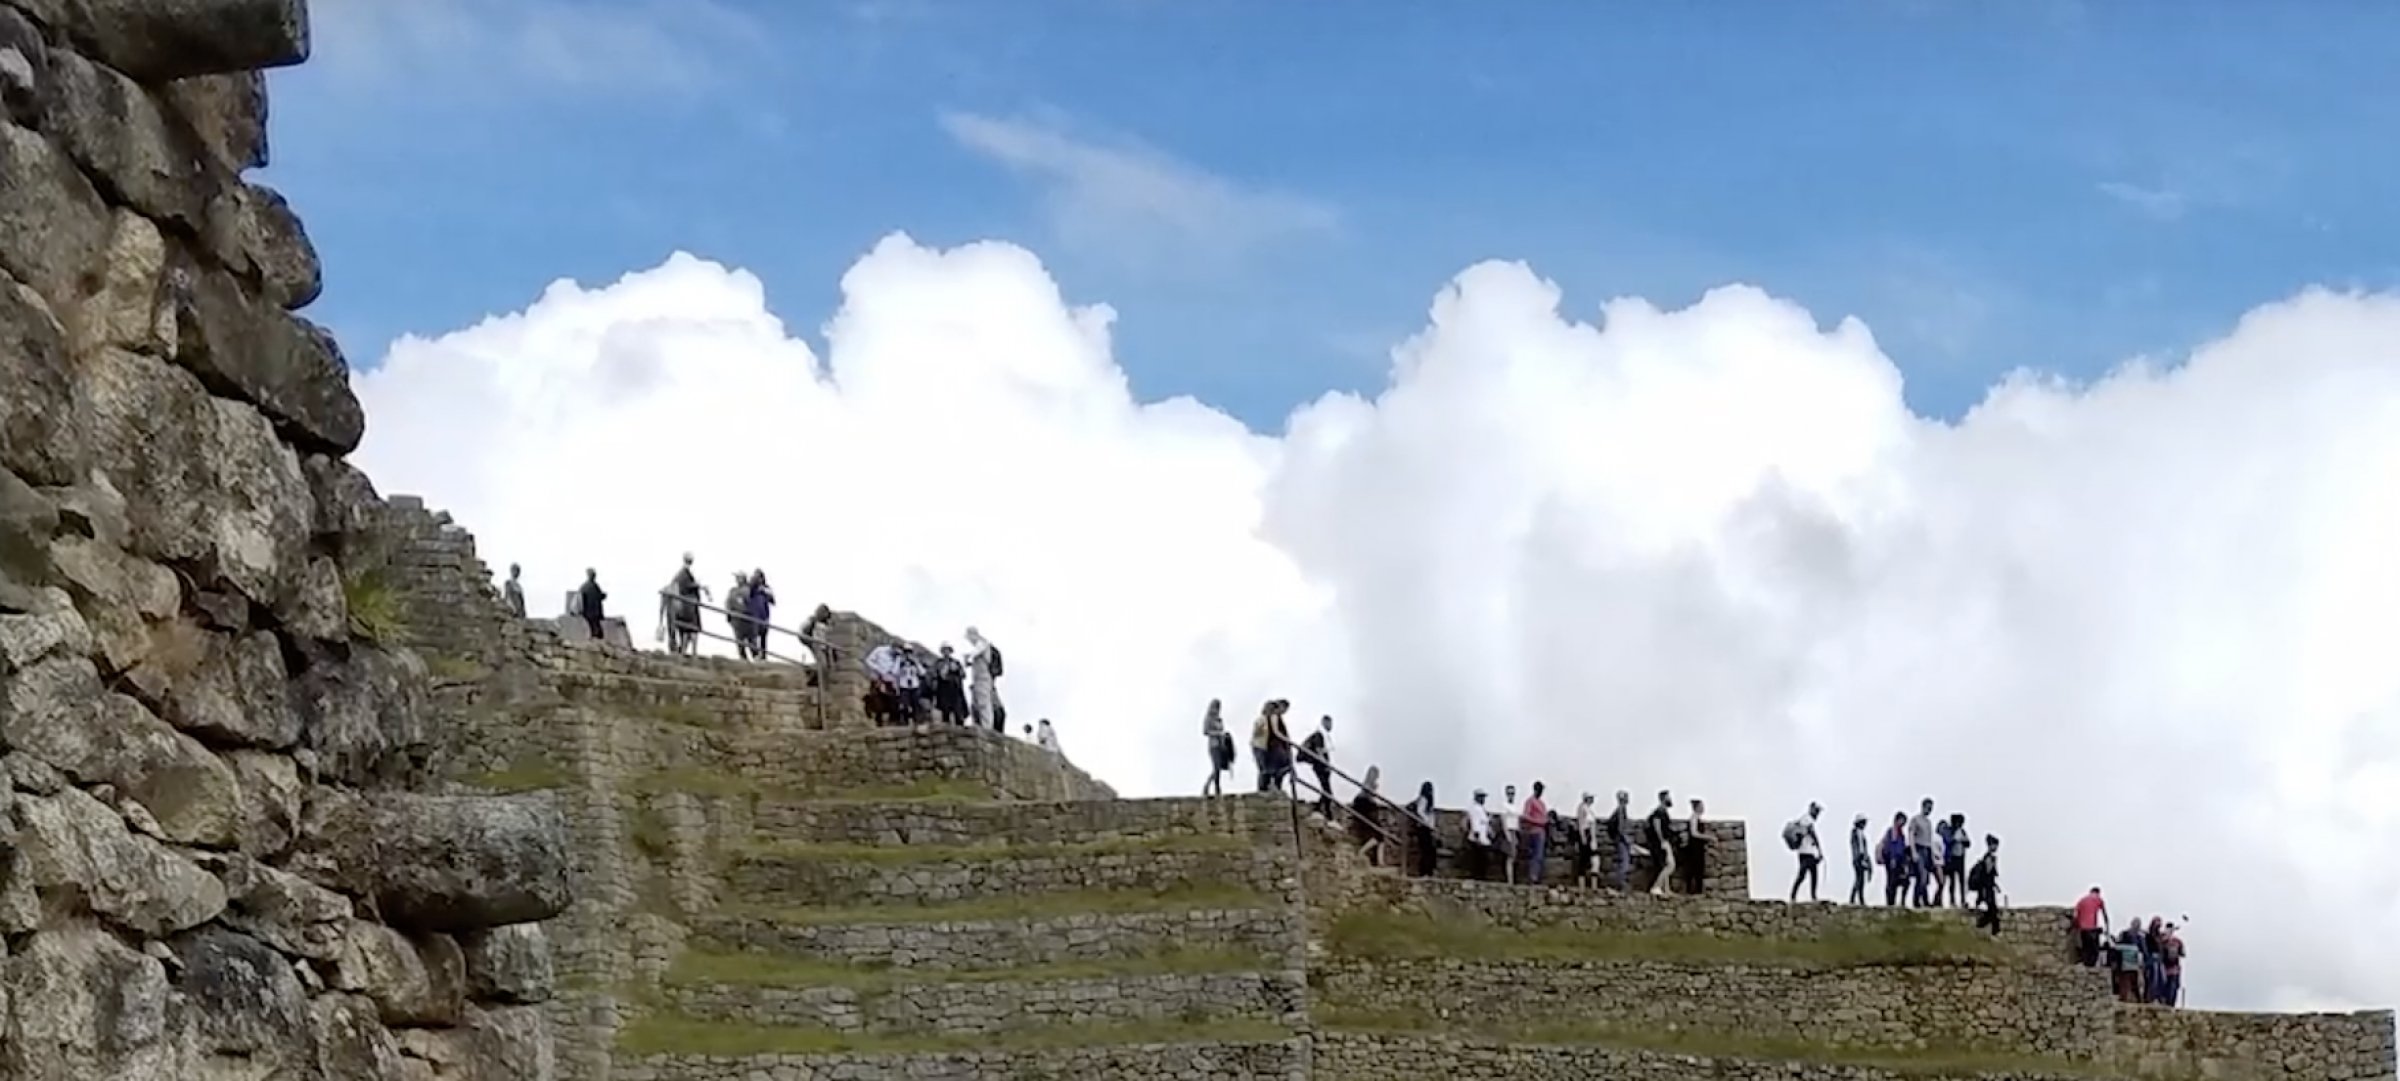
pixel 1220 747
pixel 1862 862
pixel 1921 863
pixel 1812 854
pixel 2091 927
pixel 950 687
pixel 591 602
pixel 512 592
pixel 1317 749
pixel 1509 826
pixel 1537 835
pixel 1892 853
pixel 1984 883
pixel 1421 812
pixel 1620 839
pixel 1954 859
pixel 1661 837
pixel 1479 837
pixel 1587 845
pixel 1694 860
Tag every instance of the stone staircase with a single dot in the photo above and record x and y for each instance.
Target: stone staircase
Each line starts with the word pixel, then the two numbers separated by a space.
pixel 961 937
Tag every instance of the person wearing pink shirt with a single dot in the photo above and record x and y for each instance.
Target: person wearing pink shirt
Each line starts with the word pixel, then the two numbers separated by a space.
pixel 2091 927
pixel 1536 824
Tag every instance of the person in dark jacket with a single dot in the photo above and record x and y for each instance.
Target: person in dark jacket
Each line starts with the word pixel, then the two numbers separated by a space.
pixel 950 687
pixel 1317 751
pixel 591 602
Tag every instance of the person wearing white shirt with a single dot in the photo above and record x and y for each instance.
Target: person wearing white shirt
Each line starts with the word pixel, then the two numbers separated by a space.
pixel 1479 836
pixel 883 699
pixel 1508 828
pixel 1046 737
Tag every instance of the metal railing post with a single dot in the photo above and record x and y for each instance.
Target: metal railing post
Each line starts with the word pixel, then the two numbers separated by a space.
pixel 819 650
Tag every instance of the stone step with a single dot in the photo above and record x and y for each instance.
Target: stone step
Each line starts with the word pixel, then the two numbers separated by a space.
pixel 1263 1055
pixel 799 818
pixel 863 1001
pixel 1435 1055
pixel 800 876
pixel 964 938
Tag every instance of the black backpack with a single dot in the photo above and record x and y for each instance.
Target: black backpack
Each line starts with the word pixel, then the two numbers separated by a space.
pixel 1980 879
pixel 998 669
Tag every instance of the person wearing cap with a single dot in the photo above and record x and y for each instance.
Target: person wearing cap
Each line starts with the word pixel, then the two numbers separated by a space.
pixel 1862 860
pixel 1812 854
pixel 1479 838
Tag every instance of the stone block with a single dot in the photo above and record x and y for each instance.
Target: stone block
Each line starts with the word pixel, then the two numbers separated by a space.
pixel 111 125
pixel 124 304
pixel 42 435
pixel 253 231
pixel 53 224
pixel 57 711
pixel 227 113
pixel 245 1001
pixel 159 40
pixel 509 964
pixel 84 1005
pixel 27 519
pixel 75 849
pixel 246 348
pixel 442 863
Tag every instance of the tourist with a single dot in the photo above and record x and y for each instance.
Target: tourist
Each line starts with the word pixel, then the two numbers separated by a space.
pixel 1801 835
pixel 813 634
pixel 591 602
pixel 1620 839
pixel 1984 882
pixel 1260 732
pixel 1366 810
pixel 1421 814
pixel 2091 928
pixel 950 687
pixel 1587 845
pixel 758 605
pixel 2126 960
pixel 679 609
pixel 1220 747
pixel 1862 863
pixel 737 602
pixel 1279 745
pixel 1893 855
pixel 1046 737
pixel 2154 975
pixel 1318 753
pixel 1921 867
pixel 1509 827
pixel 1479 838
pixel 2170 966
pixel 1954 859
pixel 883 680
pixel 1537 835
pixel 984 670
pixel 512 592
pixel 908 685
pixel 1694 858
pixel 1661 838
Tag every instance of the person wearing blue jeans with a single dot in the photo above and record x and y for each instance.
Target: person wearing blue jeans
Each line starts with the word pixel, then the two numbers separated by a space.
pixel 1922 863
pixel 1536 824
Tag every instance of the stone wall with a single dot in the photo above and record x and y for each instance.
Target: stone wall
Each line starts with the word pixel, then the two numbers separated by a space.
pixel 1361 1057
pixel 1214 1061
pixel 2255 1046
pixel 1725 867
pixel 220 856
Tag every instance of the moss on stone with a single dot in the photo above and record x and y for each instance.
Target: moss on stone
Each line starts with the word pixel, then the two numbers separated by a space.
pixel 1396 936
pixel 668 1034
pixel 523 775
pixel 928 790
pixel 455 669
pixel 375 607
pixel 693 780
pixel 1026 907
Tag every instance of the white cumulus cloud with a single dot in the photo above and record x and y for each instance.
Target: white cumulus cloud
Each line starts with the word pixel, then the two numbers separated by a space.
pixel 2145 629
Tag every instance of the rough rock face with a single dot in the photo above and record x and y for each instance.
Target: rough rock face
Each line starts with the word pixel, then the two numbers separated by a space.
pixel 182 699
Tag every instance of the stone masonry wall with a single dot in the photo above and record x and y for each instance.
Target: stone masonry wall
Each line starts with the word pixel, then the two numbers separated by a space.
pixel 2256 1046
pixel 1725 868
pixel 221 854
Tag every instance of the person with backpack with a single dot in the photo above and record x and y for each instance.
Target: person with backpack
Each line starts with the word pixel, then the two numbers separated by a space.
pixel 1620 839
pixel 1862 862
pixel 1428 845
pixel 1984 883
pixel 1661 837
pixel 1893 855
pixel 1954 859
pixel 1800 835
pixel 983 671
pixel 1220 746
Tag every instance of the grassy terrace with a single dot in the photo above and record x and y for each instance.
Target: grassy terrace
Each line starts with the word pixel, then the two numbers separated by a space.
pixel 1025 907
pixel 668 1035
pixel 701 781
pixel 701 967
pixel 1905 1061
pixel 904 854
pixel 1906 941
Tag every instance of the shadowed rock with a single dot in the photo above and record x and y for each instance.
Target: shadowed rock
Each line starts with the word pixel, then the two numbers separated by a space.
pixel 442 863
pixel 158 40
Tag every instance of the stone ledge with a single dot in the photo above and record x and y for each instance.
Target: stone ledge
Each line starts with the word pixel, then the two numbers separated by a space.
pixel 1005 943
pixel 801 877
pixel 980 1006
pixel 927 822
pixel 1238 1057
pixel 1347 1056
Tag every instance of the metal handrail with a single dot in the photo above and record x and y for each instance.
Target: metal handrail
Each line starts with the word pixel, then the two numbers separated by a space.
pixel 818 648
pixel 1298 783
pixel 1354 782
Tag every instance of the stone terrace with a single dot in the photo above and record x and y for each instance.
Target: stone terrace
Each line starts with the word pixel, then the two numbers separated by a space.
pixel 769 890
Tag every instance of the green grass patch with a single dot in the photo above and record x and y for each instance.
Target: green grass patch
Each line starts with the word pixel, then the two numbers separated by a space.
pixel 680 714
pixel 455 669
pixel 695 780
pixel 1904 1061
pixel 902 854
pixel 375 609
pixel 929 790
pixel 527 775
pixel 647 830
pixel 675 1035
pixel 1044 906
pixel 696 966
pixel 1908 941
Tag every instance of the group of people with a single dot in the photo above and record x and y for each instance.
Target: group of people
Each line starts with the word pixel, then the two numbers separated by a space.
pixel 906 685
pixel 2145 963
pixel 749 604
pixel 1923 856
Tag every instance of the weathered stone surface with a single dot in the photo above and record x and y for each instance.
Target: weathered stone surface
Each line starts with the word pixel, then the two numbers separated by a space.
pixel 92 508
pixel 365 714
pixel 252 230
pixel 158 40
pixel 352 1045
pixel 27 519
pixel 76 852
pixel 509 964
pixel 245 1001
pixel 315 606
pixel 125 301
pixel 511 1042
pixel 247 348
pixel 41 434
pixel 227 112
pixel 237 694
pixel 207 485
pixel 84 1006
pixel 57 711
pixel 52 223
pixel 271 802
pixel 441 863
pixel 413 982
pixel 28 638
pixel 286 911
pixel 123 597
pixel 112 126
pixel 24 68
pixel 345 498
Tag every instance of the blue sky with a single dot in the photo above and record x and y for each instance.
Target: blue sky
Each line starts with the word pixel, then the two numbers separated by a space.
pixel 1270 192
